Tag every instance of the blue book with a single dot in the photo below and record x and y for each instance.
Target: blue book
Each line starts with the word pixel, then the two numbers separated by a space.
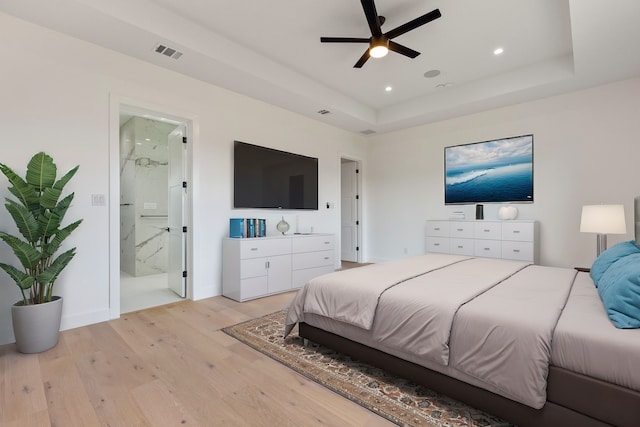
pixel 251 228
pixel 236 227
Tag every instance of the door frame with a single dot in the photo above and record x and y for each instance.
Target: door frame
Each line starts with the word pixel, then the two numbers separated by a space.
pixel 116 103
pixel 359 205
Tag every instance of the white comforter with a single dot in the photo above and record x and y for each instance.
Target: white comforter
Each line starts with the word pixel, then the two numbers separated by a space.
pixel 490 319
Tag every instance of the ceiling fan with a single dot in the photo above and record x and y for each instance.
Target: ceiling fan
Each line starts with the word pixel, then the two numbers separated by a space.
pixel 380 43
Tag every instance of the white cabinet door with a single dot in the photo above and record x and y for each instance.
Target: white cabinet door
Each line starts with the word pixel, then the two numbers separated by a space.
pixel 279 268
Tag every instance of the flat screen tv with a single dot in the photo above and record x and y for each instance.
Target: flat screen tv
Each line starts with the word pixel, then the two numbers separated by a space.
pixel 495 171
pixel 273 179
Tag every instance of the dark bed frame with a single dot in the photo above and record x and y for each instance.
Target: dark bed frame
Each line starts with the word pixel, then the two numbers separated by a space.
pixel 572 399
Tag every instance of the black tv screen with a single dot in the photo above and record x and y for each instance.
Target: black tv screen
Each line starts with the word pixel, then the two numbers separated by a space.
pixel 499 170
pixel 273 179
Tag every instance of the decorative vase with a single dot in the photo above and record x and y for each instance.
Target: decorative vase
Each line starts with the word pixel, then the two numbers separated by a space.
pixel 508 212
pixel 36 326
pixel 282 226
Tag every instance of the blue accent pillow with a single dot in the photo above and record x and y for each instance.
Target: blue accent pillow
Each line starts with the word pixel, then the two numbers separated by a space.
pixel 611 255
pixel 619 290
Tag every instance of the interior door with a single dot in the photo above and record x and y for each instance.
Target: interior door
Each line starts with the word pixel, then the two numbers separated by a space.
pixel 177 193
pixel 349 211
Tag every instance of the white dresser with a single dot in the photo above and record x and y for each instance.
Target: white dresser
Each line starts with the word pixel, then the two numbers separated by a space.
pixel 256 267
pixel 517 240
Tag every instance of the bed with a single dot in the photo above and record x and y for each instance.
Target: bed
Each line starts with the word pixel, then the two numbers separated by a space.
pixel 531 344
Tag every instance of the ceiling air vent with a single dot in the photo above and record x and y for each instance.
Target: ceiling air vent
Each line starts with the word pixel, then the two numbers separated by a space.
pixel 323 112
pixel 167 51
pixel 367 132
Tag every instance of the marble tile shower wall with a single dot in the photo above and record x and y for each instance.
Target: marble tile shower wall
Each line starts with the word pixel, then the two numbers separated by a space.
pixel 144 196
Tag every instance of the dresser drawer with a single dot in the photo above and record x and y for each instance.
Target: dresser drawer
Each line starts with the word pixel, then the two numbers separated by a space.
pixel 300 277
pixel 254 248
pixel 438 244
pixel 311 243
pixel 461 246
pixel 487 248
pixel 521 251
pixel 487 230
pixel 518 231
pixel 312 259
pixel 438 228
pixel 462 229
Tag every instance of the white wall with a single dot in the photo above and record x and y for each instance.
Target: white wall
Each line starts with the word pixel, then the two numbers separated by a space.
pixel 55 96
pixel 586 151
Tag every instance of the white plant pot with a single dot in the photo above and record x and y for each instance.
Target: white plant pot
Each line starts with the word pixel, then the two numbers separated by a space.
pixel 36 327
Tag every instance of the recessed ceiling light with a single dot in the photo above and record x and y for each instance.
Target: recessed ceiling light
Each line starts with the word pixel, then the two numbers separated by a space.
pixel 388 88
pixel 432 73
pixel 498 51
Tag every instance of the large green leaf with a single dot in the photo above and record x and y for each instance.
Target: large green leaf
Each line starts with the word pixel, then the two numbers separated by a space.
pixel 50 220
pixel 24 192
pixel 54 244
pixel 51 195
pixel 50 274
pixel 26 254
pixel 41 171
pixel 22 279
pixel 24 220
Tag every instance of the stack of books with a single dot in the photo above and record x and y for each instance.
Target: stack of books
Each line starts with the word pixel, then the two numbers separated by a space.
pixel 247 227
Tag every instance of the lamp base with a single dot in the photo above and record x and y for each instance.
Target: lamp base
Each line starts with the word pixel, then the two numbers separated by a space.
pixel 601 243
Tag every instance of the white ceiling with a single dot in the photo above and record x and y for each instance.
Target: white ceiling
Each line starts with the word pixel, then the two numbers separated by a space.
pixel 271 50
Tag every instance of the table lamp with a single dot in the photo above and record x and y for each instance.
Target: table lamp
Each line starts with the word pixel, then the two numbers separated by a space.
pixel 603 220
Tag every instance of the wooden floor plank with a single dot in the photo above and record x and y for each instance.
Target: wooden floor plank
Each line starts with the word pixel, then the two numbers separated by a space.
pixel 160 406
pixel 68 402
pixel 24 390
pixel 167 366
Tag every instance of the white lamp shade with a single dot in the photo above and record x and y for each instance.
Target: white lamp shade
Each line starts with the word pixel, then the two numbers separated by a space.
pixel 603 219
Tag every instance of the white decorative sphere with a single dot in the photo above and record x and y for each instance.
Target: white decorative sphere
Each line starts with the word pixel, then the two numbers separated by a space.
pixel 508 212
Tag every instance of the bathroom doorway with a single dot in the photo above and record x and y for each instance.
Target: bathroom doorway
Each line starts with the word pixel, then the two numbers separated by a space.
pixel 153 194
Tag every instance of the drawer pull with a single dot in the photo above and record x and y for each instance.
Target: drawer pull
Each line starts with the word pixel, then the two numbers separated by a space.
pixel 460 246
pixel 460 229
pixel 516 231
pixel 326 243
pixel 516 251
pixel 254 249
pixel 487 249
pixel 326 257
pixel 436 244
pixel 486 230
pixel 437 228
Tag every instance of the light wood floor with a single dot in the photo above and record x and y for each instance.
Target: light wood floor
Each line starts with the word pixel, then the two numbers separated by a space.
pixel 166 366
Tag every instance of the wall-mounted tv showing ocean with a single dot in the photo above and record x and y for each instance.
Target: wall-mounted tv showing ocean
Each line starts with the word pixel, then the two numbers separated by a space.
pixel 495 171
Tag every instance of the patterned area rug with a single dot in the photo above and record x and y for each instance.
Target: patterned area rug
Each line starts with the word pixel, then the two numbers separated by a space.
pixel 400 401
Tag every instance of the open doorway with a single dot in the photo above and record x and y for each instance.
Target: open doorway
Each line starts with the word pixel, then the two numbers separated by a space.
pixel 152 198
pixel 350 211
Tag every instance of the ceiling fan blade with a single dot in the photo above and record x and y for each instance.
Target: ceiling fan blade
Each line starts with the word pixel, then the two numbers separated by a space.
pixel 402 50
pixel 343 40
pixel 424 19
pixel 370 12
pixel 362 59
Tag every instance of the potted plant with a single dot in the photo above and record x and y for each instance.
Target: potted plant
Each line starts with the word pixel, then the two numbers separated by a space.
pixel 38 211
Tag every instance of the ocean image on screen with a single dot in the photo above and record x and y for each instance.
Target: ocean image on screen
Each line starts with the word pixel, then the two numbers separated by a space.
pixel 491 171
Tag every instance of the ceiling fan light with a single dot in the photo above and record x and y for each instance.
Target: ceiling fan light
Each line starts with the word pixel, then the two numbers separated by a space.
pixel 378 51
